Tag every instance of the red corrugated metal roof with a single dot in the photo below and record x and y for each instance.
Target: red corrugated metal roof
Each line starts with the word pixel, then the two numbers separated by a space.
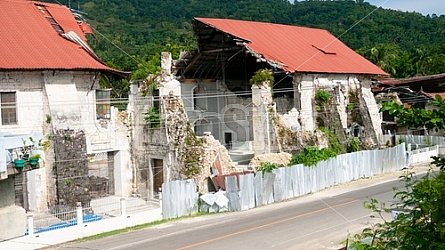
pixel 29 42
pixel 300 49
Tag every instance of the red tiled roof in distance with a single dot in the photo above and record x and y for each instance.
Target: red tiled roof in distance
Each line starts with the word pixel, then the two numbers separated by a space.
pixel 85 28
pixel 300 49
pixel 29 42
pixel 433 95
pixel 413 80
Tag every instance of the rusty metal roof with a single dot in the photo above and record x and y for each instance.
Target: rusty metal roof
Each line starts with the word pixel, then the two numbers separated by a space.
pixel 31 38
pixel 293 48
pixel 418 80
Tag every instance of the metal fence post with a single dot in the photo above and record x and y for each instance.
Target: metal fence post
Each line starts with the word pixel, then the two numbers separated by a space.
pixel 30 225
pixel 123 208
pixel 79 213
pixel 160 199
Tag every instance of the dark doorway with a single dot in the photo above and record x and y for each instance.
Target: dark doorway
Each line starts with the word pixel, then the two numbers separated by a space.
pixel 228 140
pixel 158 175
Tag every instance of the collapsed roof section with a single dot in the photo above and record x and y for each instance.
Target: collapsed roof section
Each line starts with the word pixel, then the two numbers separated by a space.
pixel 233 47
pixel 45 36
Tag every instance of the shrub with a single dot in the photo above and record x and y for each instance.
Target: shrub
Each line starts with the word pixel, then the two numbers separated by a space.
pixel 153 117
pixel 311 156
pixel 354 145
pixel 261 76
pixel 322 97
pixel 267 167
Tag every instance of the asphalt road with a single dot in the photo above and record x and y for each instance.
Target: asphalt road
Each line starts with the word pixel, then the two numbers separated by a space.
pixel 316 221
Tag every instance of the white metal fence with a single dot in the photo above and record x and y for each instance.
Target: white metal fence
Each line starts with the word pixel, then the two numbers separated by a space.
pixel 103 208
pixel 420 148
pixel 422 155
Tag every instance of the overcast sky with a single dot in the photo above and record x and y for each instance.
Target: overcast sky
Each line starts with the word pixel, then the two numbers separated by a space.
pixel 423 6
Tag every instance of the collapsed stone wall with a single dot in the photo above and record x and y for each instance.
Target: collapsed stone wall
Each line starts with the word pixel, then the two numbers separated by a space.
pixel 195 155
pixel 282 158
pixel 295 141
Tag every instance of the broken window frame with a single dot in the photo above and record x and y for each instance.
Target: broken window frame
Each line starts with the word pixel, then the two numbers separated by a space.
pixel 103 104
pixel 8 107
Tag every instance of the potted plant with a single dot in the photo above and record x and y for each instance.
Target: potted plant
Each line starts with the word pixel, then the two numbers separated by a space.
pixel 22 155
pixel 29 152
pixel 34 160
pixel 19 163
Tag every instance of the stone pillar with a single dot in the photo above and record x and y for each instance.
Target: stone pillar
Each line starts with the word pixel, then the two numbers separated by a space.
pixel 306 88
pixel 261 98
pixel 167 82
pixel 371 115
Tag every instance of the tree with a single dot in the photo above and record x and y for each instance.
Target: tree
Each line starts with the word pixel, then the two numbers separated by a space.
pixel 382 55
pixel 421 225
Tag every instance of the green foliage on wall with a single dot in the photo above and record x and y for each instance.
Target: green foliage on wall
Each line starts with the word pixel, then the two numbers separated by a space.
pixel 193 154
pixel 334 143
pixel 312 155
pixel 322 97
pixel 260 76
pixel 354 145
pixel 152 117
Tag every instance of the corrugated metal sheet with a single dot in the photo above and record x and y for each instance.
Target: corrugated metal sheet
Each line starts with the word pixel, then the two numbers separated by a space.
pixel 288 182
pixel 179 198
pixel 29 42
pixel 298 49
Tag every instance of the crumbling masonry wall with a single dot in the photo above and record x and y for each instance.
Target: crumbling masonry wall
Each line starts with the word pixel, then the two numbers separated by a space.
pixel 352 105
pixel 71 168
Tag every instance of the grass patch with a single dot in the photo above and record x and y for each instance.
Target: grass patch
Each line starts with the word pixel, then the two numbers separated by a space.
pixel 137 227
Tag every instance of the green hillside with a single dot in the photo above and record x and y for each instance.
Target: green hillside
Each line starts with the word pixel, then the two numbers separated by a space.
pixel 404 44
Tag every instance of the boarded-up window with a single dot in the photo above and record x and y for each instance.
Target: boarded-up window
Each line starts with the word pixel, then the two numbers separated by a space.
pixel 8 108
pixel 103 104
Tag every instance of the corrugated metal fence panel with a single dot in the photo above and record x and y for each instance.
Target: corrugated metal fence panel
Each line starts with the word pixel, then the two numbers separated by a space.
pixel 344 168
pixel 247 191
pixel 179 198
pixel 258 187
pixel 268 183
pixel 278 185
pixel 288 191
pixel 232 194
pixel 293 173
pixel 419 140
pixel 191 197
pixel 423 139
pixel 167 197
